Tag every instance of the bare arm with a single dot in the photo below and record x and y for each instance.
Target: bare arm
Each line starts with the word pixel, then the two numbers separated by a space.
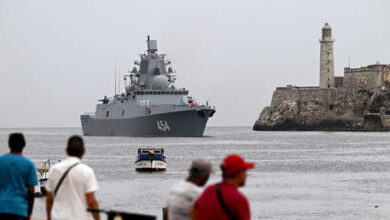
pixel 30 199
pixel 49 203
pixel 93 204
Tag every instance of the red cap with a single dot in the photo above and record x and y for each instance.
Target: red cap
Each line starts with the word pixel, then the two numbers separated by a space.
pixel 235 163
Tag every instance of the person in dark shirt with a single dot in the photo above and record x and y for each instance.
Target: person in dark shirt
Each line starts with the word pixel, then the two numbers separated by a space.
pixel 18 178
pixel 223 201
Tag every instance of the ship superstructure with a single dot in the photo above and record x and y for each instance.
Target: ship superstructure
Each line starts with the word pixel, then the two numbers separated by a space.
pixel 151 105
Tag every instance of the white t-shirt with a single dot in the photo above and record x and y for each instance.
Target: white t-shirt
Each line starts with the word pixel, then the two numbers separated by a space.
pixel 182 197
pixel 70 201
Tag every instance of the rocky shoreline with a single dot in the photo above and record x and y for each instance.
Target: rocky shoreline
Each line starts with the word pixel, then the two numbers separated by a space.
pixel 322 125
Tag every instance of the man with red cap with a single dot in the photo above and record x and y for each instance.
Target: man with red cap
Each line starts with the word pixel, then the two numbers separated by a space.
pixel 223 201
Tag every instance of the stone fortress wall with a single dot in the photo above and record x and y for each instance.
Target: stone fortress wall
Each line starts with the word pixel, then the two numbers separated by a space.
pixel 345 99
pixel 299 96
pixel 372 78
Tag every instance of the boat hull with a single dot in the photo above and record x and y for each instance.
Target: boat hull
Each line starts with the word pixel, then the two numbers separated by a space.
pixel 189 123
pixel 42 183
pixel 150 165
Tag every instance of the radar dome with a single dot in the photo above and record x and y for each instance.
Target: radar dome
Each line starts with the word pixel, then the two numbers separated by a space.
pixel 160 82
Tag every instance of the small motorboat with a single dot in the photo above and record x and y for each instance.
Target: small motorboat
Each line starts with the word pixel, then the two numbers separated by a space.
pixel 43 172
pixel 150 159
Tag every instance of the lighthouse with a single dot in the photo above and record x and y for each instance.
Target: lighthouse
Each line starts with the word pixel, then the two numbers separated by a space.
pixel 327 58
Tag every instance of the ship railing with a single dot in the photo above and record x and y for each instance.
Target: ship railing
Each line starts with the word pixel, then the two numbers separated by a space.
pixel 198 105
pixel 90 114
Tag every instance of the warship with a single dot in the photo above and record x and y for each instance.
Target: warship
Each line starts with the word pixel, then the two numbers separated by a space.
pixel 151 105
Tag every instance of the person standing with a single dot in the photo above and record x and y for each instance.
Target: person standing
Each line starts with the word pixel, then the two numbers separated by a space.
pixel 71 186
pixel 17 181
pixel 223 200
pixel 184 193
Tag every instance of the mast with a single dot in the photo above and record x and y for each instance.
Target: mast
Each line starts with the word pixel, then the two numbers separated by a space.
pixel 152 45
pixel 115 79
pixel 147 41
pixel 118 82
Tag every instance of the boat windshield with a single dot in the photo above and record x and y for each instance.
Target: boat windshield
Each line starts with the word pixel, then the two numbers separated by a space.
pixel 150 152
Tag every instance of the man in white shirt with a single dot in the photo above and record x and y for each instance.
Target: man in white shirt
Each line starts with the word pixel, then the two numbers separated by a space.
pixel 184 193
pixel 69 199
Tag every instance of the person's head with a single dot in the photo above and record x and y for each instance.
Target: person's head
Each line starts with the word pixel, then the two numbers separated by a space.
pixel 16 142
pixel 75 146
pixel 234 169
pixel 200 171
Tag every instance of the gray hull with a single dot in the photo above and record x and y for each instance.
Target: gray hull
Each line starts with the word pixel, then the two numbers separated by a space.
pixel 180 123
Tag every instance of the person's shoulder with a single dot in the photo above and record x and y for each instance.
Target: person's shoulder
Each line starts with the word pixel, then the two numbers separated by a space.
pixel 57 165
pixel 177 185
pixel 242 196
pixel 27 160
pixel 87 170
pixel 4 157
pixel 187 184
pixel 237 194
pixel 180 186
pixel 231 189
pixel 209 188
pixel 21 159
pixel 191 188
pixel 206 194
pixel 85 167
pixel 186 188
pixel 9 156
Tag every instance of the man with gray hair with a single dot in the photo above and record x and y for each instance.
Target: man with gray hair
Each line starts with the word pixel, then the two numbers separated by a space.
pixel 184 193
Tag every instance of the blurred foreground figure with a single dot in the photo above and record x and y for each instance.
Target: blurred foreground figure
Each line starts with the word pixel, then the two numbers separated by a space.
pixel 223 201
pixel 184 193
pixel 17 181
pixel 71 186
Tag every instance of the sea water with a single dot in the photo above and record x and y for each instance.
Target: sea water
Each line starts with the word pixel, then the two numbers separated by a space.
pixel 297 175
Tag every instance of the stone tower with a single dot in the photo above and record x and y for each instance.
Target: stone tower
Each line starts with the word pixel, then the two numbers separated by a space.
pixel 326 58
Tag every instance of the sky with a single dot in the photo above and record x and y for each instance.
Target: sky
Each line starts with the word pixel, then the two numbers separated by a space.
pixel 57 58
